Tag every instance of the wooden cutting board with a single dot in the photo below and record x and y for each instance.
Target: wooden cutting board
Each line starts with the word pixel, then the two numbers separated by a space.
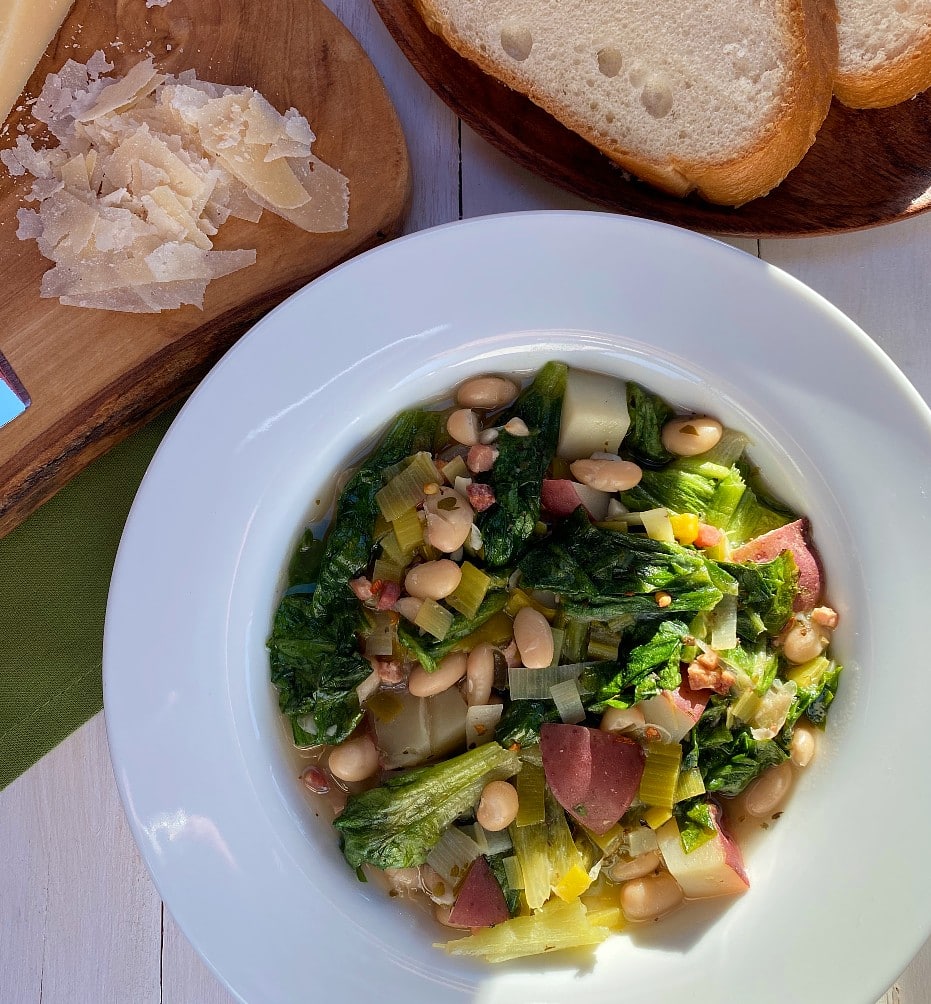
pixel 94 375
pixel 865 168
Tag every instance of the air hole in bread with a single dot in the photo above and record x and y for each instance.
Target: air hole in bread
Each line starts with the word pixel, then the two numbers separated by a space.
pixel 609 117
pixel 656 96
pixel 516 42
pixel 610 61
pixel 901 6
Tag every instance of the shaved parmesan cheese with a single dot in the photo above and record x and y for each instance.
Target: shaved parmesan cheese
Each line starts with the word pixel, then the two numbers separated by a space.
pixel 148 167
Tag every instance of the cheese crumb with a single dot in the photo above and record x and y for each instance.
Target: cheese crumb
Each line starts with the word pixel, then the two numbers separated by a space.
pixel 148 167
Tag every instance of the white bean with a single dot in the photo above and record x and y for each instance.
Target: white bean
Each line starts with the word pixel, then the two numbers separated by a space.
pixel 354 760
pixel 803 642
pixel 463 425
pixel 687 437
pixel 534 638
pixel 607 475
pixel 803 745
pixel 650 897
pixel 643 864
pixel 766 793
pixel 408 607
pixel 480 674
pixel 516 427
pixel 619 719
pixel 450 671
pixel 497 808
pixel 486 392
pixel 433 580
pixel 449 519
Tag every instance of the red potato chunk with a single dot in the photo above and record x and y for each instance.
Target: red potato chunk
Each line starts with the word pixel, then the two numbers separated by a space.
pixel 561 497
pixel 675 711
pixel 791 537
pixel 715 868
pixel 593 775
pixel 480 901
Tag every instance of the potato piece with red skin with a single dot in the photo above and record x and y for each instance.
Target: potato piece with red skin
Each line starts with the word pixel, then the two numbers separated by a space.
pixel 675 711
pixel 593 775
pixel 480 901
pixel 561 497
pixel 715 868
pixel 791 537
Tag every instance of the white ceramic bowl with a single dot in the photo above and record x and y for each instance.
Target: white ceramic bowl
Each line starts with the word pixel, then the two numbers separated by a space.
pixel 841 888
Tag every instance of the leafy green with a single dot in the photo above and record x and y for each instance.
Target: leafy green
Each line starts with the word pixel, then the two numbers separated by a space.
pixel 521 722
pixel 726 498
pixel 399 823
pixel 757 511
pixel 648 414
pixel 766 589
pixel 728 769
pixel 429 652
pixel 517 475
pixel 511 896
pixel 671 488
pixel 601 574
pixel 306 560
pixel 696 823
pixel 758 660
pixel 814 700
pixel 352 533
pixel 647 668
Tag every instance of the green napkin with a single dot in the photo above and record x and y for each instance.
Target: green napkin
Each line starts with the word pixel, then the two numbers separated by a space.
pixel 54 575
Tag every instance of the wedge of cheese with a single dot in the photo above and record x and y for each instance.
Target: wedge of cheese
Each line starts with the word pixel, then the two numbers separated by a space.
pixel 26 28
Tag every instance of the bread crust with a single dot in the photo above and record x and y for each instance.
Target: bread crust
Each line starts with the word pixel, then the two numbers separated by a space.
pixel 898 80
pixel 750 172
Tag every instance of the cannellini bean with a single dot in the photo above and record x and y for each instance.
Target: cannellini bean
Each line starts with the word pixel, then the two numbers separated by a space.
pixel 433 580
pixel 619 719
pixel 624 871
pixel 607 475
pixel 488 436
pixel 480 674
pixel 650 897
pixel 486 392
pixel 516 427
pixel 803 642
pixel 450 671
pixel 766 793
pixel 497 808
pixel 449 519
pixel 803 745
pixel 463 425
pixel 825 616
pixel 687 437
pixel 354 760
pixel 436 887
pixel 408 607
pixel 534 638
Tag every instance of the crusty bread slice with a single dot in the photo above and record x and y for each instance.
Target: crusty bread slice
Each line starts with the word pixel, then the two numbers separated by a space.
pixel 722 96
pixel 885 51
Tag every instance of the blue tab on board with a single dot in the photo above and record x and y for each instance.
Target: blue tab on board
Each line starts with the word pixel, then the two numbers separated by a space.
pixel 14 399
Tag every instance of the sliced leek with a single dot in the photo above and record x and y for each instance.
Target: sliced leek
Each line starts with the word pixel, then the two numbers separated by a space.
pixel 468 595
pixel 433 619
pixel 408 531
pixel 406 490
pixel 660 774
pixel 531 789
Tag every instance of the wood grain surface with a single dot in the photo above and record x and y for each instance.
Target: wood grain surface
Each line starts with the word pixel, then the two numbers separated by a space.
pixel 96 375
pixel 866 167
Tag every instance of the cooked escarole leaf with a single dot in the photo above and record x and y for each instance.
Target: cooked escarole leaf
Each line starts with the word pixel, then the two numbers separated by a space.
pixel 602 574
pixel 646 668
pixel 521 722
pixel 766 591
pixel 648 414
pixel 729 767
pixel 671 488
pixel 351 536
pixel 428 652
pixel 398 824
pixel 517 475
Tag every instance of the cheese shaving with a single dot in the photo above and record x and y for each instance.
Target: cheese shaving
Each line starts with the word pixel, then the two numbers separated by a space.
pixel 148 167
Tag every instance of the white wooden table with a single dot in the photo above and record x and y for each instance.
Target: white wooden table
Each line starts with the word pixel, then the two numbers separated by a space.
pixel 80 921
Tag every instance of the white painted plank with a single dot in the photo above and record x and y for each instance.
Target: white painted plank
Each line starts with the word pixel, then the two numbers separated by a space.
pixel 879 278
pixel 185 977
pixel 83 899
pixel 430 128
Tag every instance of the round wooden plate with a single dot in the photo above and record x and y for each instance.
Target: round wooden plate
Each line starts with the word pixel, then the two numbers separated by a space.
pixel 866 167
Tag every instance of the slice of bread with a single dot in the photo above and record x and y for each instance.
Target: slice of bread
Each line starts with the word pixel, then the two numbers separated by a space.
pixel 718 96
pixel 885 51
